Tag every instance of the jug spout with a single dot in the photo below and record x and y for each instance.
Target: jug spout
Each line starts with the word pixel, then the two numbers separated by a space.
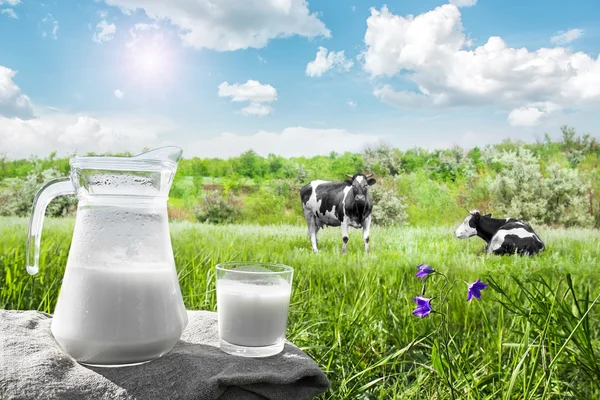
pixel 149 174
pixel 167 153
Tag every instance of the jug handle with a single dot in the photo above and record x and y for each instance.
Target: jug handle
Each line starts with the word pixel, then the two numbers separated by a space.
pixel 49 191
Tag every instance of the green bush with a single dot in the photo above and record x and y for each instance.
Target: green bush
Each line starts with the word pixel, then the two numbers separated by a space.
pixel 428 202
pixel 383 160
pixel 388 207
pixel 565 193
pixel 17 197
pixel 520 190
pixel 264 207
pixel 216 208
pixel 453 165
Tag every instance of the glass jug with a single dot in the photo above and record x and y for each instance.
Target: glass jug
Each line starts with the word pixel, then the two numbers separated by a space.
pixel 120 302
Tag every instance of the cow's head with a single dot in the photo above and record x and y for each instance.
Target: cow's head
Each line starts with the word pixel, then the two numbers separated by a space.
pixel 469 226
pixel 360 186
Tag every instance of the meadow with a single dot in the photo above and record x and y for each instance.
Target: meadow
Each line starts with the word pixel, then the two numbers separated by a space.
pixel 535 333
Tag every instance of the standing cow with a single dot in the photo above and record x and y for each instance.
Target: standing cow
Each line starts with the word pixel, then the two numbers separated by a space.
pixel 341 204
pixel 502 235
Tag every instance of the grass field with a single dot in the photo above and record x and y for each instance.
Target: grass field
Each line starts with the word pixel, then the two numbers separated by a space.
pixel 535 335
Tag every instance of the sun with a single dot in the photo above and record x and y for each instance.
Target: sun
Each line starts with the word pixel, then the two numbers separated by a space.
pixel 151 61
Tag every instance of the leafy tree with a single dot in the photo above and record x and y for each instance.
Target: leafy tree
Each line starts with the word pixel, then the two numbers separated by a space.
pixel 250 165
pixel 415 160
pixel 275 165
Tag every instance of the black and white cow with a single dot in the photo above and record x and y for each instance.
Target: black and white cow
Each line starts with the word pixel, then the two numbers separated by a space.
pixel 341 204
pixel 502 235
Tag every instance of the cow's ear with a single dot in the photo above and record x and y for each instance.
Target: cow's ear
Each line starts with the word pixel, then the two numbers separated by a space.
pixel 371 181
pixel 488 215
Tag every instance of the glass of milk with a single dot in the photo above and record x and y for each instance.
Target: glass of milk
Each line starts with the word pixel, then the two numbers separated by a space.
pixel 252 306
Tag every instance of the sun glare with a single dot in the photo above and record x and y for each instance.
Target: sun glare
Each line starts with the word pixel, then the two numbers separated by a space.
pixel 151 62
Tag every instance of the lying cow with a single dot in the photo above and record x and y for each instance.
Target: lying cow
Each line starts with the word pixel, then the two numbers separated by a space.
pixel 502 235
pixel 341 204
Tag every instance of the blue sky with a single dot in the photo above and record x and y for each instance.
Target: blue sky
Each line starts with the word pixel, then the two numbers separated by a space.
pixel 120 75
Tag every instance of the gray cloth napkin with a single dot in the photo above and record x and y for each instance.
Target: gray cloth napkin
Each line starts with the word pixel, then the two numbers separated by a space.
pixel 33 366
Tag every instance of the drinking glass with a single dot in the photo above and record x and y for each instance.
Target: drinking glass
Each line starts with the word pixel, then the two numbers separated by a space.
pixel 252 306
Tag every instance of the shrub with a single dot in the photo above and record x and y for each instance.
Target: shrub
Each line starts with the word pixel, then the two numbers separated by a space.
pixel 17 198
pixel 383 160
pixel 428 202
pixel 264 207
pixel 521 190
pixel 215 208
pixel 453 165
pixel 476 194
pixel 388 207
pixel 296 172
pixel 565 194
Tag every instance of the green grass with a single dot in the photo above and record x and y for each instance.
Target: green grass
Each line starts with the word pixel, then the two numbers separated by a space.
pixel 534 335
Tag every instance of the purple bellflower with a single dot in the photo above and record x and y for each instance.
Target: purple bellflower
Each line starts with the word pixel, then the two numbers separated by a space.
pixel 424 271
pixel 423 307
pixel 475 289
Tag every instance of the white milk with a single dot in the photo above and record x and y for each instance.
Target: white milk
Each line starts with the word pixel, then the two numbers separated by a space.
pixel 252 315
pixel 119 315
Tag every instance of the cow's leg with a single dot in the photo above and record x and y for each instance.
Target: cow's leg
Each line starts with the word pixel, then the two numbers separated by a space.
pixel 313 236
pixel 366 232
pixel 311 221
pixel 344 227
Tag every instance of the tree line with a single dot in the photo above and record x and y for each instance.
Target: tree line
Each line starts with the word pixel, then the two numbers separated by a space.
pixel 551 182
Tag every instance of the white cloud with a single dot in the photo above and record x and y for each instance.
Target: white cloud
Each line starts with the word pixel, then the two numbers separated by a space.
pixel 249 91
pixel 49 27
pixel 253 92
pixel 432 51
pixel 22 133
pixel 257 109
pixel 70 133
pixel 119 94
pixel 151 31
pixel 567 37
pixel 291 142
pixel 403 99
pixel 10 2
pixel 463 3
pixel 82 133
pixel 229 24
pixel 13 103
pixel 10 12
pixel 105 32
pixel 323 62
pixel 351 103
pixel 531 114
